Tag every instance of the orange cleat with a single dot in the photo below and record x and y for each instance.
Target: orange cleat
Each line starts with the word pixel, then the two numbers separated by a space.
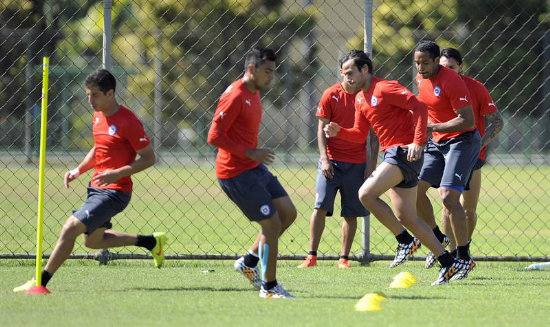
pixel 343 264
pixel 309 262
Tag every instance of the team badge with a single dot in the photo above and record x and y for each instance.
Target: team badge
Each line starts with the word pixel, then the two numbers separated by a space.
pixel 437 91
pixel 265 210
pixel 373 101
pixel 112 130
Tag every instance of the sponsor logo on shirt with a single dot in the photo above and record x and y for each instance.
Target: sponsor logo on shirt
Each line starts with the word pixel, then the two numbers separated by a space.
pixel 228 88
pixel 265 210
pixel 373 101
pixel 247 101
pixel 112 130
pixel 437 91
pixel 464 98
pixel 358 99
pixel 319 109
pixel 222 114
pixel 143 139
pixel 96 120
pixel 491 104
pixel 335 98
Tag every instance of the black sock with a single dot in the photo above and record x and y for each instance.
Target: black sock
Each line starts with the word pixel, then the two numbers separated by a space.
pixel 404 237
pixel 462 252
pixel 146 241
pixel 468 246
pixel 270 285
pixel 440 236
pixel 445 259
pixel 46 276
pixel 251 260
pixel 344 257
pixel 454 253
pixel 313 253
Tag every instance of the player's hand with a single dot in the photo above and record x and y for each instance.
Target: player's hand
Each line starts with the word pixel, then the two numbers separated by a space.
pixel 414 152
pixel 106 177
pixel 265 156
pixel 327 169
pixel 331 129
pixel 69 177
pixel 430 128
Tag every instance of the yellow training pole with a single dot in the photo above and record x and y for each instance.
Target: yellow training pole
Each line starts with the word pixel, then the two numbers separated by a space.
pixel 43 128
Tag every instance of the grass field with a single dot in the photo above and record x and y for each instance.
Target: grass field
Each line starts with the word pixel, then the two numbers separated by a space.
pixel 133 293
pixel 187 202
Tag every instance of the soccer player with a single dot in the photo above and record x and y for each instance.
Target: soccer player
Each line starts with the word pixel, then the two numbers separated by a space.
pixel 453 150
pixel 399 120
pixel 118 137
pixel 342 165
pixel 242 174
pixel 484 109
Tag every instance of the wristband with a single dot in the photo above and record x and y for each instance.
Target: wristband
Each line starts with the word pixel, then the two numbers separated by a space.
pixel 74 173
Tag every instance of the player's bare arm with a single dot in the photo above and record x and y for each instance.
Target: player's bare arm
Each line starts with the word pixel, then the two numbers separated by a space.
pixel 464 120
pixel 326 166
pixel 146 159
pixel 494 126
pixel 372 153
pixel 265 156
pixel 87 163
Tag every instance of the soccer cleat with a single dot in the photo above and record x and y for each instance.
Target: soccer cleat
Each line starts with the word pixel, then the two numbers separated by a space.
pixel 277 292
pixel 158 250
pixel 447 273
pixel 252 274
pixel 343 264
pixel 430 258
pixel 309 262
pixel 25 287
pixel 404 252
pixel 467 266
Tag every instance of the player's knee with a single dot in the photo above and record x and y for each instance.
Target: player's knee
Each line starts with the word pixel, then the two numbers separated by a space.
pixel 450 201
pixel 471 213
pixel 366 197
pixel 71 229
pixel 91 243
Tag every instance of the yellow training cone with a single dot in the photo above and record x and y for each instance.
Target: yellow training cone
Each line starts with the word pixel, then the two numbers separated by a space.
pixel 370 302
pixel 401 283
pixel 406 275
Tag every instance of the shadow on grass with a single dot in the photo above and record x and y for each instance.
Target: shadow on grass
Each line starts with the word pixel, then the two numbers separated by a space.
pixel 187 288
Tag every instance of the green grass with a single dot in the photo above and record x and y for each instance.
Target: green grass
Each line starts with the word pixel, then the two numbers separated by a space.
pixel 188 203
pixel 133 293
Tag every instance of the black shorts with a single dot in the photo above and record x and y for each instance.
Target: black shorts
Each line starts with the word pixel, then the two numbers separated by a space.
pixel 100 206
pixel 410 169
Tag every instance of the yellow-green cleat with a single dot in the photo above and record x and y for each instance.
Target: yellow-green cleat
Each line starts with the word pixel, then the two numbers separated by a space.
pixel 158 250
pixel 25 287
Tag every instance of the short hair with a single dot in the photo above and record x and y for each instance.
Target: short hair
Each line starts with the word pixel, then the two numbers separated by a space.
pixel 103 79
pixel 257 56
pixel 360 59
pixel 428 46
pixel 452 53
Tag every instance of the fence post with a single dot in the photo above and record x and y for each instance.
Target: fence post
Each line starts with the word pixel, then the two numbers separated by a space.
pixel 157 116
pixel 365 232
pixel 103 256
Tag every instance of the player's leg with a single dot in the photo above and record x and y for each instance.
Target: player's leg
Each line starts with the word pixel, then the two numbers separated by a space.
pixel 349 227
pixel 382 179
pixel 470 199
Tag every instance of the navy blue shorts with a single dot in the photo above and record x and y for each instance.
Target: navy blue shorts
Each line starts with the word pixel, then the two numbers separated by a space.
pixel 450 162
pixel 348 178
pixel 100 207
pixel 410 169
pixel 479 163
pixel 252 191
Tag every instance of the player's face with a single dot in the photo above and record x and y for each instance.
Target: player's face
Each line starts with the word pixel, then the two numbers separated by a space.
pixel 352 77
pixel 98 100
pixel 263 74
pixel 426 66
pixel 450 63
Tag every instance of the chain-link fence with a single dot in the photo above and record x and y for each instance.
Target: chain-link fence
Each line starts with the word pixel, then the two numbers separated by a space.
pixel 173 59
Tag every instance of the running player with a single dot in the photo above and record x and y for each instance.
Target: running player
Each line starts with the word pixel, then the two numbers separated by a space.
pixel 242 174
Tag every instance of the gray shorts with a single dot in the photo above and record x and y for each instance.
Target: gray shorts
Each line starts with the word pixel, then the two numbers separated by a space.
pixel 410 169
pixel 348 178
pixel 450 162
pixel 100 207
pixel 252 191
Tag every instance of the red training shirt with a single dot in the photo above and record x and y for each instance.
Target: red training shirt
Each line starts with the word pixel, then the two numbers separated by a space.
pixel 234 130
pixel 395 114
pixel 338 106
pixel 482 103
pixel 444 94
pixel 117 138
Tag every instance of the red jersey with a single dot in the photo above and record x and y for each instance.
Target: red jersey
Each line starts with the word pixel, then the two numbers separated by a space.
pixel 483 105
pixel 395 114
pixel 117 138
pixel 234 130
pixel 338 106
pixel 444 94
